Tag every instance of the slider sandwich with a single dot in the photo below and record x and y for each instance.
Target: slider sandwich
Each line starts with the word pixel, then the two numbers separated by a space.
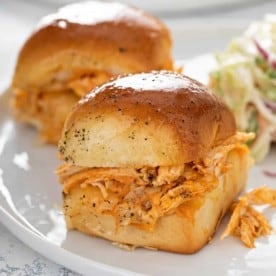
pixel 79 47
pixel 151 160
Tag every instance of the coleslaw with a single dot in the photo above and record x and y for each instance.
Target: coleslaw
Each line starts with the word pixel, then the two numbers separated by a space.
pixel 246 80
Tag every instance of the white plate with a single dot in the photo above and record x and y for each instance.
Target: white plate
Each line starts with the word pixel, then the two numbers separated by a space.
pixel 30 199
pixel 165 7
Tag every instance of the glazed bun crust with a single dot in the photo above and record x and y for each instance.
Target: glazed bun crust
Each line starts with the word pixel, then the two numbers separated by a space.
pixel 175 232
pixel 90 37
pixel 147 119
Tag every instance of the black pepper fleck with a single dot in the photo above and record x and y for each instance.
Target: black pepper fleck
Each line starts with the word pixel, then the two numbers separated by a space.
pixel 122 50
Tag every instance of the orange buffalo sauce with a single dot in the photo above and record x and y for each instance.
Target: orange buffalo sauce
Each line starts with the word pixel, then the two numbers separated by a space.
pixel 246 222
pixel 140 196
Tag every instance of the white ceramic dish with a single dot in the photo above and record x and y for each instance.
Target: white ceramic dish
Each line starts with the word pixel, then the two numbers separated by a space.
pixel 174 6
pixel 30 199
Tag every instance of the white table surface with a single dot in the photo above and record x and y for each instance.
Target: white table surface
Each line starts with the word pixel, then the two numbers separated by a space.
pixel 17 18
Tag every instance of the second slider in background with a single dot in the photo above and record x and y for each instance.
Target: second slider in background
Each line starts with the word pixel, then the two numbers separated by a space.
pixel 79 47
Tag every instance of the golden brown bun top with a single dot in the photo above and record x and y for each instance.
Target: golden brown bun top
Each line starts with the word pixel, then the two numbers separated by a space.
pixel 148 119
pixel 92 36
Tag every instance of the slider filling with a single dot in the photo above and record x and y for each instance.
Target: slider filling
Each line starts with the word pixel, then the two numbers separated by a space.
pixel 141 196
pixel 58 98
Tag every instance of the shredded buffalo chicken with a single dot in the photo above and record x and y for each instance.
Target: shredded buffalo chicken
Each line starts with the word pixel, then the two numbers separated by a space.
pixel 39 106
pixel 246 222
pixel 140 196
pixel 82 85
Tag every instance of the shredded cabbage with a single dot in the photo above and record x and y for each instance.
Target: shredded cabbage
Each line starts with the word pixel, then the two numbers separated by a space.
pixel 246 80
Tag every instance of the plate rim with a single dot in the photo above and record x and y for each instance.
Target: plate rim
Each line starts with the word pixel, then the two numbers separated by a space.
pixel 54 252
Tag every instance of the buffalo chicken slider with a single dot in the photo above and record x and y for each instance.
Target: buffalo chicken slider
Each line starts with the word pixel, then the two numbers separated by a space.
pixel 151 160
pixel 79 47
